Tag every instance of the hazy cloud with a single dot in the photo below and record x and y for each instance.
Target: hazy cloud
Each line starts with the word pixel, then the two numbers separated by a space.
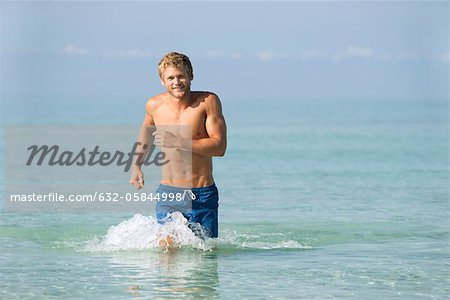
pixel 446 57
pixel 74 50
pixel 269 55
pixel 223 54
pixel 312 54
pixel 358 51
pixel 409 56
pixel 236 55
pixel 132 53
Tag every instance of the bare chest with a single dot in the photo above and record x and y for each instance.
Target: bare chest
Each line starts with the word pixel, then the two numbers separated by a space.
pixel 193 117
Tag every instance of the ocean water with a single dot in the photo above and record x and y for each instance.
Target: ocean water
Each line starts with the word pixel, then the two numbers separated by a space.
pixel 318 200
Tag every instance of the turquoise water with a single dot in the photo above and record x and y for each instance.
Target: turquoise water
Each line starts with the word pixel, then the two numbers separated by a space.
pixel 318 199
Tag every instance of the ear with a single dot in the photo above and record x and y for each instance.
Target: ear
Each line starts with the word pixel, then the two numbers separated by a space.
pixel 162 81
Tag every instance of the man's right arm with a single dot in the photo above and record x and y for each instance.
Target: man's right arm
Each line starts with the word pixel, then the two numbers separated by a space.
pixel 145 137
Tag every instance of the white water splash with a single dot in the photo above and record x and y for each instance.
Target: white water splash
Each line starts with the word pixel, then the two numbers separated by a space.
pixel 289 244
pixel 142 233
pixel 259 241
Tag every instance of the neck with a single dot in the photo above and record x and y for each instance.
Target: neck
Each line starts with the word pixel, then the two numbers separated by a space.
pixel 184 101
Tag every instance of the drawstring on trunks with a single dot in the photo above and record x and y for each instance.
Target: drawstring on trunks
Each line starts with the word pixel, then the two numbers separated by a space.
pixel 191 194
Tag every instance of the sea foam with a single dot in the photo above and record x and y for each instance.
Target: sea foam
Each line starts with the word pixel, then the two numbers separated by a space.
pixel 144 232
pixel 141 232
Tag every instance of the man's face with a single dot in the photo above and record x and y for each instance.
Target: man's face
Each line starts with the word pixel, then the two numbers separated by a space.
pixel 176 80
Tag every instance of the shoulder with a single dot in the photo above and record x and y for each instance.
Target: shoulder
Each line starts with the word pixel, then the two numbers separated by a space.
pixel 154 102
pixel 208 99
pixel 211 103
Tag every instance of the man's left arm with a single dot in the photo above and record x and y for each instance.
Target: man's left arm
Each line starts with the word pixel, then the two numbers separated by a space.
pixel 216 142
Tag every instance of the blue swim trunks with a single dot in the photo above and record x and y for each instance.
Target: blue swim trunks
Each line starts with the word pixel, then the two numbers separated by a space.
pixel 198 206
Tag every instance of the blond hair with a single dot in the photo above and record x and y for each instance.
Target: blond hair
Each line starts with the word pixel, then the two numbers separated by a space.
pixel 175 59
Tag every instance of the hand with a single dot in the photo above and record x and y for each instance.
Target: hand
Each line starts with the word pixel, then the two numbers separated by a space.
pixel 166 139
pixel 137 178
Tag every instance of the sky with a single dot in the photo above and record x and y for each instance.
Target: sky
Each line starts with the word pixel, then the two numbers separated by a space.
pixel 240 50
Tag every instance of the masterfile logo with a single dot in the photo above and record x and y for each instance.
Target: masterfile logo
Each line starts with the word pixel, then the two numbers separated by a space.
pixel 53 156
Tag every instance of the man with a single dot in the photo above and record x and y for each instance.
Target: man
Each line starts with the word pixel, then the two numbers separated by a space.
pixel 202 113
